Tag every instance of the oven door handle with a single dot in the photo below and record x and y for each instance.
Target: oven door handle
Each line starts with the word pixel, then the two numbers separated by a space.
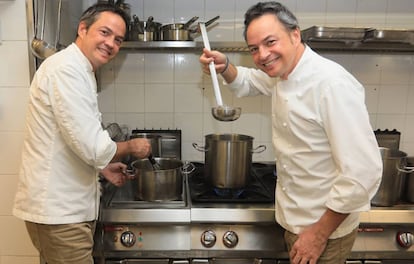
pixel 200 261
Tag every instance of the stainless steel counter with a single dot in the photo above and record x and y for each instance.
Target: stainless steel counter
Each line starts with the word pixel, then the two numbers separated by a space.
pixel 399 214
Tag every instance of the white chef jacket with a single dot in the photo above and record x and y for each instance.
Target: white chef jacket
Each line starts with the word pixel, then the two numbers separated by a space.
pixel 326 152
pixel 65 145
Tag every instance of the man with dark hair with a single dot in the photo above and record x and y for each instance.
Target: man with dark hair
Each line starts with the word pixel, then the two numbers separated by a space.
pixel 328 161
pixel 65 147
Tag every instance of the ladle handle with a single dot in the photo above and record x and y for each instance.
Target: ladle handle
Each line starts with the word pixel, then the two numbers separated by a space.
pixel 211 65
pixel 42 33
pixel 57 37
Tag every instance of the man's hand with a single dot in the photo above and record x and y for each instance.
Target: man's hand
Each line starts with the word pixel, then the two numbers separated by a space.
pixel 139 147
pixel 116 174
pixel 218 58
pixel 312 240
pixel 309 247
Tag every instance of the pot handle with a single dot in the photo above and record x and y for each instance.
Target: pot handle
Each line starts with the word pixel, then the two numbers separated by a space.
pixel 188 168
pixel 259 149
pixel 130 172
pixel 406 169
pixel 199 148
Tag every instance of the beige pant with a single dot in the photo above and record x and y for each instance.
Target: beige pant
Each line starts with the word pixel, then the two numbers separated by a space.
pixel 63 244
pixel 336 251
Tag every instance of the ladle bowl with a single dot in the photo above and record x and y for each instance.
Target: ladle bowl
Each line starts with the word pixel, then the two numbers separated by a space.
pixel 226 113
pixel 42 49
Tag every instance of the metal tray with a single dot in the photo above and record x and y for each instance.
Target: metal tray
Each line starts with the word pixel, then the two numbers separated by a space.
pixel 342 34
pixel 390 35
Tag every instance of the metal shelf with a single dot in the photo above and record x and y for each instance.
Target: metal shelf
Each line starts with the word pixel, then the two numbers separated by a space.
pixel 182 45
pixel 338 46
pixel 361 46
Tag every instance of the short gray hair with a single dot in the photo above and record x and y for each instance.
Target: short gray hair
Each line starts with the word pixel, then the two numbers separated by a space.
pixel 285 16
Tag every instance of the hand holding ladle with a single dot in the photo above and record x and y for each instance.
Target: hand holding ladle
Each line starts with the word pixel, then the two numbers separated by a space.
pixel 221 112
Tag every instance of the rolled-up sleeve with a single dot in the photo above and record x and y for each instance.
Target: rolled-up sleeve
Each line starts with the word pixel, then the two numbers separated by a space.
pixel 354 147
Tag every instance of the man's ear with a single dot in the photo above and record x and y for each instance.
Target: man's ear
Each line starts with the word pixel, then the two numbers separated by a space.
pixel 82 29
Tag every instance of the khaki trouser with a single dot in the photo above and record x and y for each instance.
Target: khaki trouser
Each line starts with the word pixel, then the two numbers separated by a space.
pixel 336 251
pixel 63 244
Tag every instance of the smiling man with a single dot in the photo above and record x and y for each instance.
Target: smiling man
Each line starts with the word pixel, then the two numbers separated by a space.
pixel 65 147
pixel 328 161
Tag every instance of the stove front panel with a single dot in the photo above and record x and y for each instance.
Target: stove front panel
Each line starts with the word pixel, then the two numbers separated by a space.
pixel 237 238
pixel 140 238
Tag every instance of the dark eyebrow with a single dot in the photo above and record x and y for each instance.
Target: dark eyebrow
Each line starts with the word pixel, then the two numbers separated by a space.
pixel 110 30
pixel 264 40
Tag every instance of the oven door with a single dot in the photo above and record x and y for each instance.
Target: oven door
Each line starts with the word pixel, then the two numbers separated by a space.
pixel 149 261
pixel 236 261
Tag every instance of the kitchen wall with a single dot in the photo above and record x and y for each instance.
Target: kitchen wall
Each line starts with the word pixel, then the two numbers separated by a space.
pixel 167 89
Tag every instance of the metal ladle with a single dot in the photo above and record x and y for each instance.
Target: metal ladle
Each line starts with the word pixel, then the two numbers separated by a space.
pixel 40 47
pixel 155 165
pixel 221 112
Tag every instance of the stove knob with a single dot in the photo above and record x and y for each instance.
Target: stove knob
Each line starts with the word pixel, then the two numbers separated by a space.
pixel 208 238
pixel 128 239
pixel 230 239
pixel 405 239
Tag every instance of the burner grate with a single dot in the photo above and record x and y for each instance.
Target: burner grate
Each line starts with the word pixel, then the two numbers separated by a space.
pixel 259 190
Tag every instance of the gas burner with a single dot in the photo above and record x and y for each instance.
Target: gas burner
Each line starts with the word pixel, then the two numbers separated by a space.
pixel 229 193
pixel 259 190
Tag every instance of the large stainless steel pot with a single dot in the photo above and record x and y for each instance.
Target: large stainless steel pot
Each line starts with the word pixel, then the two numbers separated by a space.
pixel 159 185
pixel 409 181
pixel 393 175
pixel 228 159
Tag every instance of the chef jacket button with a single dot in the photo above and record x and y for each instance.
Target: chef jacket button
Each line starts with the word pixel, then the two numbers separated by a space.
pixel 283 188
pixel 284 166
pixel 284 124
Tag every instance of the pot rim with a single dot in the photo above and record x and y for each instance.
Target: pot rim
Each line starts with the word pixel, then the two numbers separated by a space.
pixel 173 26
pixel 229 137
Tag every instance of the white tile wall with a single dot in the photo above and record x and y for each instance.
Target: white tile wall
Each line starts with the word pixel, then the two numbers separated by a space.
pixel 173 82
pixel 168 90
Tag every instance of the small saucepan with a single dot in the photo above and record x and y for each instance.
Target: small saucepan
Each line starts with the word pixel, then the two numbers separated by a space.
pixel 182 31
pixel 144 30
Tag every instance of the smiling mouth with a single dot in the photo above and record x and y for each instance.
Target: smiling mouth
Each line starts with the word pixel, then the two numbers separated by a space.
pixel 105 51
pixel 267 64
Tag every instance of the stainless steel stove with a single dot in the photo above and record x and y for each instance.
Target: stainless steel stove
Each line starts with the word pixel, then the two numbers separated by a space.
pixel 209 225
pixel 203 225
